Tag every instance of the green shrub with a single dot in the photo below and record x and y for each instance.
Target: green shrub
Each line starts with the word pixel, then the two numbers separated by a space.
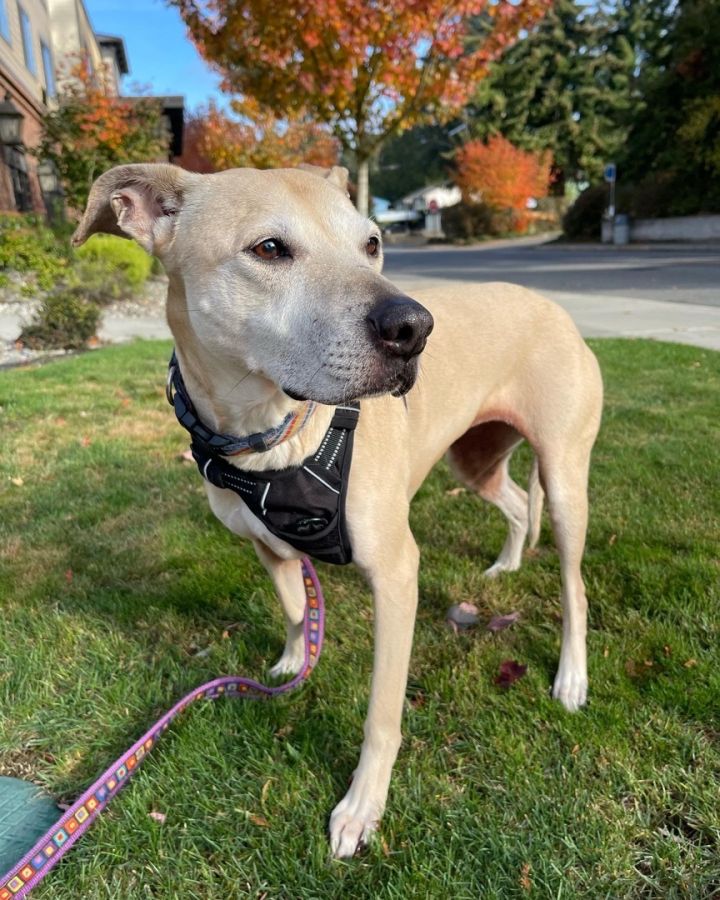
pixel 98 281
pixel 63 320
pixel 119 255
pixel 465 221
pixel 28 246
pixel 584 218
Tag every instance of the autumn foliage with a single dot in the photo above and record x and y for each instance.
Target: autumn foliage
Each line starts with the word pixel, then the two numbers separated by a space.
pixel 91 129
pixel 502 176
pixel 215 140
pixel 364 69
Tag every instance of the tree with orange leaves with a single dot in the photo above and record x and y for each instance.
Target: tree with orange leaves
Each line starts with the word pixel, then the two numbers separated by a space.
pixel 366 70
pixel 501 176
pixel 91 130
pixel 214 140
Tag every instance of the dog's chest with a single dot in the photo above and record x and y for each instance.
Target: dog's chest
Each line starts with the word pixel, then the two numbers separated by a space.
pixel 234 514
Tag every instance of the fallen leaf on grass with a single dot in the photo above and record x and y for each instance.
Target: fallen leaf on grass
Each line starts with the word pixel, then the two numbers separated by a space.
pixel 500 623
pixel 85 441
pixel 18 482
pixel 690 663
pixel 69 576
pixel 510 671
pixel 456 491
pixel 613 538
pixel 461 616
pixel 260 821
pixel 158 816
pixel 525 882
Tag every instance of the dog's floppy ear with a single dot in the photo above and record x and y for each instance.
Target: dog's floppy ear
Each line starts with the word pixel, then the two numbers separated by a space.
pixel 337 175
pixel 139 201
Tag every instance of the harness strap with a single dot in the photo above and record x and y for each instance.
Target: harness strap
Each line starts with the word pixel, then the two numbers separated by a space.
pixel 304 505
pixel 228 444
pixel 75 821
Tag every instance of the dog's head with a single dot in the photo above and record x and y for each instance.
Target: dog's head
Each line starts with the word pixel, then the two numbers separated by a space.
pixel 277 271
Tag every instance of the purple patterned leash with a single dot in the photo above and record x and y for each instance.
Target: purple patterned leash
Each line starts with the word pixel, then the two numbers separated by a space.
pixel 55 843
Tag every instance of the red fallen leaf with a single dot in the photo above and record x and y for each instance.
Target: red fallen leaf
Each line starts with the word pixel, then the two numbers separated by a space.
pixel 500 623
pixel 260 821
pixel 69 575
pixel 510 671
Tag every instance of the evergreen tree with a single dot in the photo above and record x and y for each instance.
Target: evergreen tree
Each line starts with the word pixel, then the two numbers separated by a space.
pixel 675 137
pixel 566 87
pixel 411 160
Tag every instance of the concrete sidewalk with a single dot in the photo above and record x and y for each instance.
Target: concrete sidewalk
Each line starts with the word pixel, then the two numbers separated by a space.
pixel 612 315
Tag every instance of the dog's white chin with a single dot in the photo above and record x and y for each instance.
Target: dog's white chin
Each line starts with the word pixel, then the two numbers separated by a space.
pixel 397 384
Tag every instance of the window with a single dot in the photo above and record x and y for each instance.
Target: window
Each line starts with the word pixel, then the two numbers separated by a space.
pixel 15 159
pixel 48 69
pixel 27 40
pixel 4 21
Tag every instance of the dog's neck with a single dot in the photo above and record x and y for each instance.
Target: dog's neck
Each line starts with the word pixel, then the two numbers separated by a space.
pixel 232 399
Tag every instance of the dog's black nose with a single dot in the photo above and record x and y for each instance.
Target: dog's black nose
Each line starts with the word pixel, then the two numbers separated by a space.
pixel 402 326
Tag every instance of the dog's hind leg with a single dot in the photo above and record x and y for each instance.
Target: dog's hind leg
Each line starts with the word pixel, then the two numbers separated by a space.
pixel 565 477
pixel 480 459
pixel 512 501
pixel 286 575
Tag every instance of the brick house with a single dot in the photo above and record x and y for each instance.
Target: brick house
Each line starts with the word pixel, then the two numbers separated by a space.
pixel 37 39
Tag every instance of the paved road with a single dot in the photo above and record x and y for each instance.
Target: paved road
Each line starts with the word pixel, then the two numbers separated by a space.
pixel 667 292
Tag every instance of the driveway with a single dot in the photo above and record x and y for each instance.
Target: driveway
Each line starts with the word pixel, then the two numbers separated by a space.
pixel 666 292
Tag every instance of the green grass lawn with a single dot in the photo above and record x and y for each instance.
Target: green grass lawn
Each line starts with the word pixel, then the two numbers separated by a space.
pixel 114 576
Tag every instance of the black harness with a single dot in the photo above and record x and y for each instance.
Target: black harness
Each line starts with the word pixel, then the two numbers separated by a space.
pixel 305 505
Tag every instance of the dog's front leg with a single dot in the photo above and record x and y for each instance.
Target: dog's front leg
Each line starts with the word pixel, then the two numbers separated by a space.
pixel 287 577
pixel 395 589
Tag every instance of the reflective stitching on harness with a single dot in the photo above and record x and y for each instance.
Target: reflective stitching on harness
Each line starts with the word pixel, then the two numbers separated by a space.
pixel 335 452
pixel 262 499
pixel 321 480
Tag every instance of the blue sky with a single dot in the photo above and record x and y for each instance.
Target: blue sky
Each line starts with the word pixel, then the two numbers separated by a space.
pixel 160 54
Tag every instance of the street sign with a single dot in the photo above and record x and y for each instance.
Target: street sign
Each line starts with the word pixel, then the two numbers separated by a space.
pixel 610 172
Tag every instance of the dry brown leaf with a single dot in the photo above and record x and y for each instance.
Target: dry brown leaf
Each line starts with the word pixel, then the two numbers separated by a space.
pixel 613 538
pixel 18 482
pixel 690 663
pixel 525 882
pixel 260 821
pixel 456 491
pixel 500 623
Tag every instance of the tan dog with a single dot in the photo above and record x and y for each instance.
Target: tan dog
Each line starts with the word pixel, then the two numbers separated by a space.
pixel 276 293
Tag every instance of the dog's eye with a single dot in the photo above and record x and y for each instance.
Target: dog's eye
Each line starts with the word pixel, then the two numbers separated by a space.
pixel 372 248
pixel 270 249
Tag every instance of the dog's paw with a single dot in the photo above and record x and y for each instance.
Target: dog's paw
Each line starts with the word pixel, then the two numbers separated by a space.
pixel 498 568
pixel 290 663
pixel 351 824
pixel 570 688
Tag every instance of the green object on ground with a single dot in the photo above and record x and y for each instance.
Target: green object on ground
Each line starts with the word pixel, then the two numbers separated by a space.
pixel 25 814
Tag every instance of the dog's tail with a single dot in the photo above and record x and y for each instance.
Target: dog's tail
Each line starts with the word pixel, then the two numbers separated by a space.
pixel 535 504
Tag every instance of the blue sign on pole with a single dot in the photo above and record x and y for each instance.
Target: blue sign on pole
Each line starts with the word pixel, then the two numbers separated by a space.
pixel 610 172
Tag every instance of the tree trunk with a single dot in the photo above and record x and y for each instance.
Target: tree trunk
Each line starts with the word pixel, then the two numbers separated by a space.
pixel 363 196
